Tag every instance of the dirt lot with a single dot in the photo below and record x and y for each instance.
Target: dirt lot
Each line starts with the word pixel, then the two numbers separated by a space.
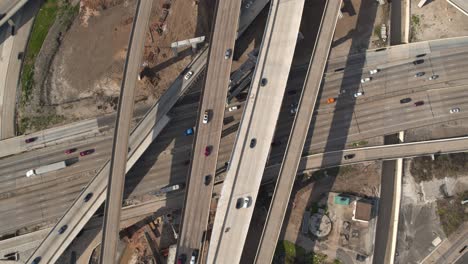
pixel 420 221
pixel 357 30
pixel 436 19
pixel 84 77
pixel 347 179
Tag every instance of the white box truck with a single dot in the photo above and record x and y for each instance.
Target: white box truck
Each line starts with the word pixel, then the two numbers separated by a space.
pixel 46 168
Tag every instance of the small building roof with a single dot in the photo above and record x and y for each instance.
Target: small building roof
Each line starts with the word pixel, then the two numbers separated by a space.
pixel 342 200
pixel 363 211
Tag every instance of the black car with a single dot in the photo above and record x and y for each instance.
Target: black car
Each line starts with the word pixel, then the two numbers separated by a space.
pixel 88 197
pixel 20 55
pixel 207 179
pixel 253 143
pixel 405 100
pixel 416 62
pixel 63 229
pixel 421 55
pixel 419 74
pixel 349 156
pixel 29 140
pixel 263 82
pixel 36 260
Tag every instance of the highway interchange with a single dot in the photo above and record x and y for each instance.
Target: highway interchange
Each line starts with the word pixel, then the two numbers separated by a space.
pixel 395 81
pixel 183 118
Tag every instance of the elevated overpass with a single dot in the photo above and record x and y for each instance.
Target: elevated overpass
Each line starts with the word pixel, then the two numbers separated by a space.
pixel 208 132
pixel 300 129
pixel 117 169
pixel 256 131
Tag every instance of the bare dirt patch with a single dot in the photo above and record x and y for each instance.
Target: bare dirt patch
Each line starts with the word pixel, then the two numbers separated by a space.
pixel 85 75
pixel 437 19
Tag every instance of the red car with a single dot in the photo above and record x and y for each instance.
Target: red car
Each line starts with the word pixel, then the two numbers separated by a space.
pixel 207 150
pixel 86 152
pixel 418 103
pixel 29 140
pixel 70 151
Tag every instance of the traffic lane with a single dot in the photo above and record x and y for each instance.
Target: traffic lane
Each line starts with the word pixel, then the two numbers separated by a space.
pixel 316 145
pixel 195 217
pixel 401 78
pixel 14 174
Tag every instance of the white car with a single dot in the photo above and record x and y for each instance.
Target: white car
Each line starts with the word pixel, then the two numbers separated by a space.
pixel 188 75
pixel 232 108
pixel 454 110
pixel 205 117
pixel 367 79
pixel 433 77
pixel 357 94
pixel 374 71
pixel 243 202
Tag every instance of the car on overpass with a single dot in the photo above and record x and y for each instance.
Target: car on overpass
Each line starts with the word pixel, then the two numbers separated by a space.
pixel 205 117
pixel 194 257
pixel 188 75
pixel 208 150
pixel 243 202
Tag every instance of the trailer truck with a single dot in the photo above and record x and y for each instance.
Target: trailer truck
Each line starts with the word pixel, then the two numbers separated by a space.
pixel 46 168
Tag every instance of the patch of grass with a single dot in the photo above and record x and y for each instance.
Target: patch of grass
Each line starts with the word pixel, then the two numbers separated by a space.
pixel 451 213
pixel 288 253
pixel 337 261
pixel 360 143
pixel 415 24
pixel 38 122
pixel 415 21
pixel 378 31
pixel 45 18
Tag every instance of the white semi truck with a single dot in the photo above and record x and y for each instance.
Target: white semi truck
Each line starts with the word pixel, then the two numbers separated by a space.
pixel 46 168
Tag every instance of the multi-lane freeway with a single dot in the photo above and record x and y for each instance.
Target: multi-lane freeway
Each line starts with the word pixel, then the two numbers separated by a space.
pixel 209 129
pixel 257 127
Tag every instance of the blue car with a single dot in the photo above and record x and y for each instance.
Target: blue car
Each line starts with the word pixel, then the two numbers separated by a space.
pixel 189 131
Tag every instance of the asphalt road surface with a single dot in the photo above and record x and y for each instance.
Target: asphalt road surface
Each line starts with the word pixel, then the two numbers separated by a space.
pixel 252 145
pixel 208 134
